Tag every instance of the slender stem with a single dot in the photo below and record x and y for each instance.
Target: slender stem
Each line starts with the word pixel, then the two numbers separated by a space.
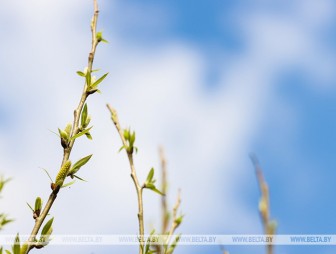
pixel 174 224
pixel 75 129
pixel 138 187
pixel 264 205
pixel 164 205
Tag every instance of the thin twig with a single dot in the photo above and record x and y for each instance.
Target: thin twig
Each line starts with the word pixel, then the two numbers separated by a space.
pixel 164 185
pixel 75 129
pixel 264 203
pixel 138 187
pixel 175 223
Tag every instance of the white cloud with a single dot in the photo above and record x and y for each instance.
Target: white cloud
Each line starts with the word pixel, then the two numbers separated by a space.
pixel 158 93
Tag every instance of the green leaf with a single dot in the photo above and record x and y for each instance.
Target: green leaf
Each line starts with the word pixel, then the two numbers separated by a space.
pixel 84 116
pixel 123 147
pixel 8 252
pixel 47 227
pixel 148 244
pixel 80 163
pixel 80 73
pixel 95 84
pixel 150 176
pixel 63 134
pixel 16 246
pixel 149 186
pixel 157 191
pixel 88 78
pixel 100 38
pixel 67 129
pixel 88 135
pixel 178 220
pixel 81 133
pixel 80 178
pixel 38 204
pixel 132 138
pixel 153 188
pixel 4 220
pixel 3 182
pixel 68 184
pixel 174 244
pixel 126 134
pixel 24 249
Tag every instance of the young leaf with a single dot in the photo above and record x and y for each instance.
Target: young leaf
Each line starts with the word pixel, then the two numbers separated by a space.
pixel 4 220
pixel 153 188
pixel 80 178
pixel 68 184
pixel 84 116
pixel 123 147
pixel 47 227
pixel 63 134
pixel 24 249
pixel 95 84
pixel 150 176
pixel 16 246
pixel 126 134
pixel 148 244
pixel 3 182
pixel 100 38
pixel 80 73
pixel 174 244
pixel 132 138
pixel 79 164
pixel 67 129
pixel 38 204
pixel 81 133
pixel 88 79
pixel 178 220
pixel 88 135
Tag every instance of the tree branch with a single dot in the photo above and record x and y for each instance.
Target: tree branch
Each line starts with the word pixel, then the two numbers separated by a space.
pixel 75 130
pixel 138 187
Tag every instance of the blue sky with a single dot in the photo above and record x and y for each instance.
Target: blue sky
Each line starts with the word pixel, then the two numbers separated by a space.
pixel 209 80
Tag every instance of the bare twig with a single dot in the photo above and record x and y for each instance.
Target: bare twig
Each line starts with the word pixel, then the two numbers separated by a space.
pixel 175 220
pixel 164 186
pixel 75 130
pixel 138 187
pixel 264 204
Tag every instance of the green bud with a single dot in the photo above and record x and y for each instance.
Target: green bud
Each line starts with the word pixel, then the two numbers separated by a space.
pixel 263 206
pixel 178 220
pixel 24 249
pixel 126 134
pixel 16 246
pixel 84 116
pixel 38 203
pixel 67 129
